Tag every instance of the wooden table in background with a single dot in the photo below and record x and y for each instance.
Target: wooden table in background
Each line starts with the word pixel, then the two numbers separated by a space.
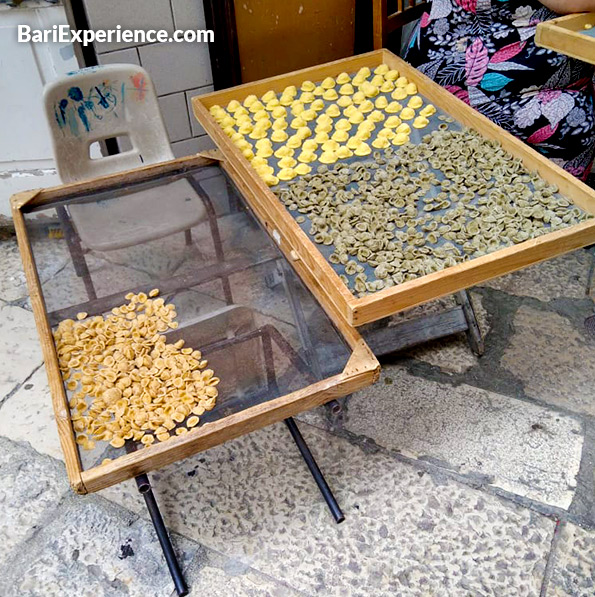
pixel 568 35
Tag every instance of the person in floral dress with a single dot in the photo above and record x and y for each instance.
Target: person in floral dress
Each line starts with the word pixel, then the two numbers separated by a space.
pixel 484 52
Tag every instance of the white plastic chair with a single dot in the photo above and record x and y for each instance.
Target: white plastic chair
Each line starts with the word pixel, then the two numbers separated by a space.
pixel 102 102
pixel 115 101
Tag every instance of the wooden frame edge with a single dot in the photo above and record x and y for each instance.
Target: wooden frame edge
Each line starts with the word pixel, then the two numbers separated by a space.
pixel 470 117
pixel 141 174
pixel 277 82
pixel 334 310
pixel 50 358
pixel 19 200
pixel 524 254
pixel 210 435
pixel 553 35
pixel 292 238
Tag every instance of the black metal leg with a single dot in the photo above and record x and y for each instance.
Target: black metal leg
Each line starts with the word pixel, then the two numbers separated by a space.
pixel 591 251
pixel 327 494
pixel 334 407
pixel 474 336
pixel 144 487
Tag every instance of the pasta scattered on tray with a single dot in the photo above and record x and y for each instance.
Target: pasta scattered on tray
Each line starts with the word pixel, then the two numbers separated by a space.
pixel 422 208
pixel 349 111
pixel 126 381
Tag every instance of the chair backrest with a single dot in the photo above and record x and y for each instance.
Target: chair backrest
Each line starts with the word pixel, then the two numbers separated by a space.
pixel 406 11
pixel 103 102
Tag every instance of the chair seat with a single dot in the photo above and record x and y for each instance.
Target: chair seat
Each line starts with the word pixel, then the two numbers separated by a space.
pixel 140 217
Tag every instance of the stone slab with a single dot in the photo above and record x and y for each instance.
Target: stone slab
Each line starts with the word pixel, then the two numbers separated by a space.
pixel 562 277
pixel 66 288
pixel 453 354
pixel 406 533
pixel 553 359
pixel 317 417
pixel 28 416
pixel 30 488
pixel 517 446
pixel 93 549
pixel 218 576
pixel 573 574
pixel 20 352
pixel 50 257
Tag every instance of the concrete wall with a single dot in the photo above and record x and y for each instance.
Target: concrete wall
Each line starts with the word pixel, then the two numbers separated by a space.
pixel 179 70
pixel 26 157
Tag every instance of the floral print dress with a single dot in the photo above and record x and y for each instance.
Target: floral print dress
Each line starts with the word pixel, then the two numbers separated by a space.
pixel 483 51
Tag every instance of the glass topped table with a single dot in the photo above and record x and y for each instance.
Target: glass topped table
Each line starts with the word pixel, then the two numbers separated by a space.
pixel 181 228
pixel 173 324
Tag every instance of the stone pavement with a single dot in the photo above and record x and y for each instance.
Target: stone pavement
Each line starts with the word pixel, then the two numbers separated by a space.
pixel 459 476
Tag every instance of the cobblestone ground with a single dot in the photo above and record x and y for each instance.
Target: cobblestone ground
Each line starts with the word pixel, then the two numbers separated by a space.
pixel 459 476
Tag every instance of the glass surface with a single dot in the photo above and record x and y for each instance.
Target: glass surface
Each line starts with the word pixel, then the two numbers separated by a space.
pixel 192 237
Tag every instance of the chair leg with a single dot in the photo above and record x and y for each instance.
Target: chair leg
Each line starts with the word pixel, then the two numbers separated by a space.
pixel 188 237
pixel 215 234
pixel 292 293
pixel 234 204
pixel 76 252
pixel 214 226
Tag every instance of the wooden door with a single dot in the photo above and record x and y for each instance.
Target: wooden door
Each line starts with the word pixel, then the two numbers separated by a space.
pixel 275 36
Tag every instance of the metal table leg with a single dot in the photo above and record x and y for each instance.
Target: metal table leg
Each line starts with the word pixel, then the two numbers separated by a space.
pixel 144 487
pixel 327 494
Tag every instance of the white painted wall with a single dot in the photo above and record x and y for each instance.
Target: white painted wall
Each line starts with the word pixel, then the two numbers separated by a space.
pixel 25 151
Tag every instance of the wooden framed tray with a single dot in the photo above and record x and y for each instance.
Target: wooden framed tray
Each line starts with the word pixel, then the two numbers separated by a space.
pixel 218 268
pixel 306 256
pixel 568 35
